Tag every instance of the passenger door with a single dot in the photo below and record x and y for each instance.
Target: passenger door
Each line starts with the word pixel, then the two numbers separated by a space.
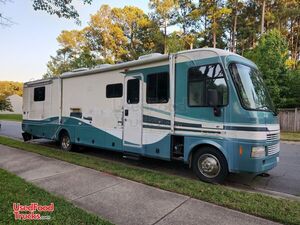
pixel 133 118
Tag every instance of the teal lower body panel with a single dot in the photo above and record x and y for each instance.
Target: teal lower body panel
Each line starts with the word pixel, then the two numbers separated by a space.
pixel 42 128
pixel 85 134
pixel 237 153
pixel 244 163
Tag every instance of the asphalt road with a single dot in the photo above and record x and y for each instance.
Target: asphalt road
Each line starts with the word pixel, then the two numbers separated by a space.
pixel 285 178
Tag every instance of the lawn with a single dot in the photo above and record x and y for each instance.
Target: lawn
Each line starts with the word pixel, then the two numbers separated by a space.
pixel 13 117
pixel 280 210
pixel 290 136
pixel 14 189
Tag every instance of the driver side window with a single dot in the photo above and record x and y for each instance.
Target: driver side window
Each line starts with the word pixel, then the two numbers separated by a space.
pixel 201 80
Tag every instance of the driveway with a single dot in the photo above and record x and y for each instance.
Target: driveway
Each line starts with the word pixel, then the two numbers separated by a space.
pixel 283 179
pixel 11 129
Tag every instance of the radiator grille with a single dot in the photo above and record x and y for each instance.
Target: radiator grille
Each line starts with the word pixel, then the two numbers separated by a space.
pixel 273 149
pixel 273 137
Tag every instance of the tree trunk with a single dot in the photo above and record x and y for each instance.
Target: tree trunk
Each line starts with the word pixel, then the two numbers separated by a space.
pixel 214 35
pixel 263 17
pixel 294 39
pixel 214 39
pixel 234 30
pixel 297 41
pixel 165 37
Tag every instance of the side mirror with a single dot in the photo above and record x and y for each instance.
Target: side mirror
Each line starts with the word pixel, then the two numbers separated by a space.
pixel 212 97
pixel 213 101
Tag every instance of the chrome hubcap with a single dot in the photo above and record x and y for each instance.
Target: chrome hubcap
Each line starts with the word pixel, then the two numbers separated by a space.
pixel 209 165
pixel 65 142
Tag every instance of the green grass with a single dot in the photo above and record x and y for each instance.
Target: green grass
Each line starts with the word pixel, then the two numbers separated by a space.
pixel 290 136
pixel 280 210
pixel 13 117
pixel 14 189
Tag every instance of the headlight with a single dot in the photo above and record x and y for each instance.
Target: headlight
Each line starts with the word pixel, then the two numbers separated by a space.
pixel 258 152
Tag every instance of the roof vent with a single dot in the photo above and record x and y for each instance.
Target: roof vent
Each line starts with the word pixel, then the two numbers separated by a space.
pixel 80 69
pixel 149 56
pixel 101 66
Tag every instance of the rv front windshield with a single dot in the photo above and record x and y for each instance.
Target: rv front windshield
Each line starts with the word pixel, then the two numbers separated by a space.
pixel 251 88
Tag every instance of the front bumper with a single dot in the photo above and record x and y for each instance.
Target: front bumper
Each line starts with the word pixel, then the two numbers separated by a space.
pixel 244 163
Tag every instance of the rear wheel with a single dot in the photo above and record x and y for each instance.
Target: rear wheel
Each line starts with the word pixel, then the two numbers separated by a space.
pixel 210 165
pixel 65 142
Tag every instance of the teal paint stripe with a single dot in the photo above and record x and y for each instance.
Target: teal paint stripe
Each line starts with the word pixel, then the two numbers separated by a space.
pixel 129 143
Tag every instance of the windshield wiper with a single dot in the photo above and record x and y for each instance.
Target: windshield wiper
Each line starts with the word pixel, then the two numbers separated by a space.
pixel 265 107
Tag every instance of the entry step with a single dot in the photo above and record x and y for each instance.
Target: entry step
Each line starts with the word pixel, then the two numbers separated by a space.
pixel 132 156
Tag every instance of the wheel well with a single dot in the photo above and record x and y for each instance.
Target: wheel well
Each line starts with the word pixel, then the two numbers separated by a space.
pixel 61 132
pixel 199 147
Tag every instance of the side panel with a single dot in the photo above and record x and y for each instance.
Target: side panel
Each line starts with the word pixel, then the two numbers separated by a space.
pixel 26 103
pixel 86 95
pixel 40 118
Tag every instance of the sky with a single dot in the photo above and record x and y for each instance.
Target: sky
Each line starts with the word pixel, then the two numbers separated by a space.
pixel 26 46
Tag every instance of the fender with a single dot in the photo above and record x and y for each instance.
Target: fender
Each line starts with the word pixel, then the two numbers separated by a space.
pixel 192 144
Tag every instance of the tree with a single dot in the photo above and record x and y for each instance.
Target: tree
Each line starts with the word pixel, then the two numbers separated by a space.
pixel 8 88
pixel 232 22
pixel 175 42
pixel 214 13
pixel 141 33
pixel 164 13
pixel 113 35
pixel 186 17
pixel 249 24
pixel 292 93
pixel 74 53
pixel 59 8
pixel 263 11
pixel 5 21
pixel 270 55
pixel 105 37
pixel 5 104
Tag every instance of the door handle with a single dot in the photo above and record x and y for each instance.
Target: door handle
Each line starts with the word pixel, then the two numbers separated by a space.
pixel 126 112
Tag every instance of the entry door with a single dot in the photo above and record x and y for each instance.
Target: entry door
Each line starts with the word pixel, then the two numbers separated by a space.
pixel 133 118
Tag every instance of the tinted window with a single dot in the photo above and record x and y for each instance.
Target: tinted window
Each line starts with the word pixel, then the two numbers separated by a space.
pixel 39 94
pixel 133 91
pixel 158 88
pixel 201 80
pixel 114 90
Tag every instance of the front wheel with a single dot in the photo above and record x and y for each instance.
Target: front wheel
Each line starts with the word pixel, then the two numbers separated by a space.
pixel 65 142
pixel 210 165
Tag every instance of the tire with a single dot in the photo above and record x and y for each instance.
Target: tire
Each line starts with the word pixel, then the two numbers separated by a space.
pixel 65 142
pixel 210 165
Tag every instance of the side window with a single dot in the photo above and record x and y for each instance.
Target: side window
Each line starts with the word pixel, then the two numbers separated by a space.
pixel 158 88
pixel 114 90
pixel 39 94
pixel 201 80
pixel 133 91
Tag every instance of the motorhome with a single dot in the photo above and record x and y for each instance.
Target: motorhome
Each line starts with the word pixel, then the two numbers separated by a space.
pixel 208 108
